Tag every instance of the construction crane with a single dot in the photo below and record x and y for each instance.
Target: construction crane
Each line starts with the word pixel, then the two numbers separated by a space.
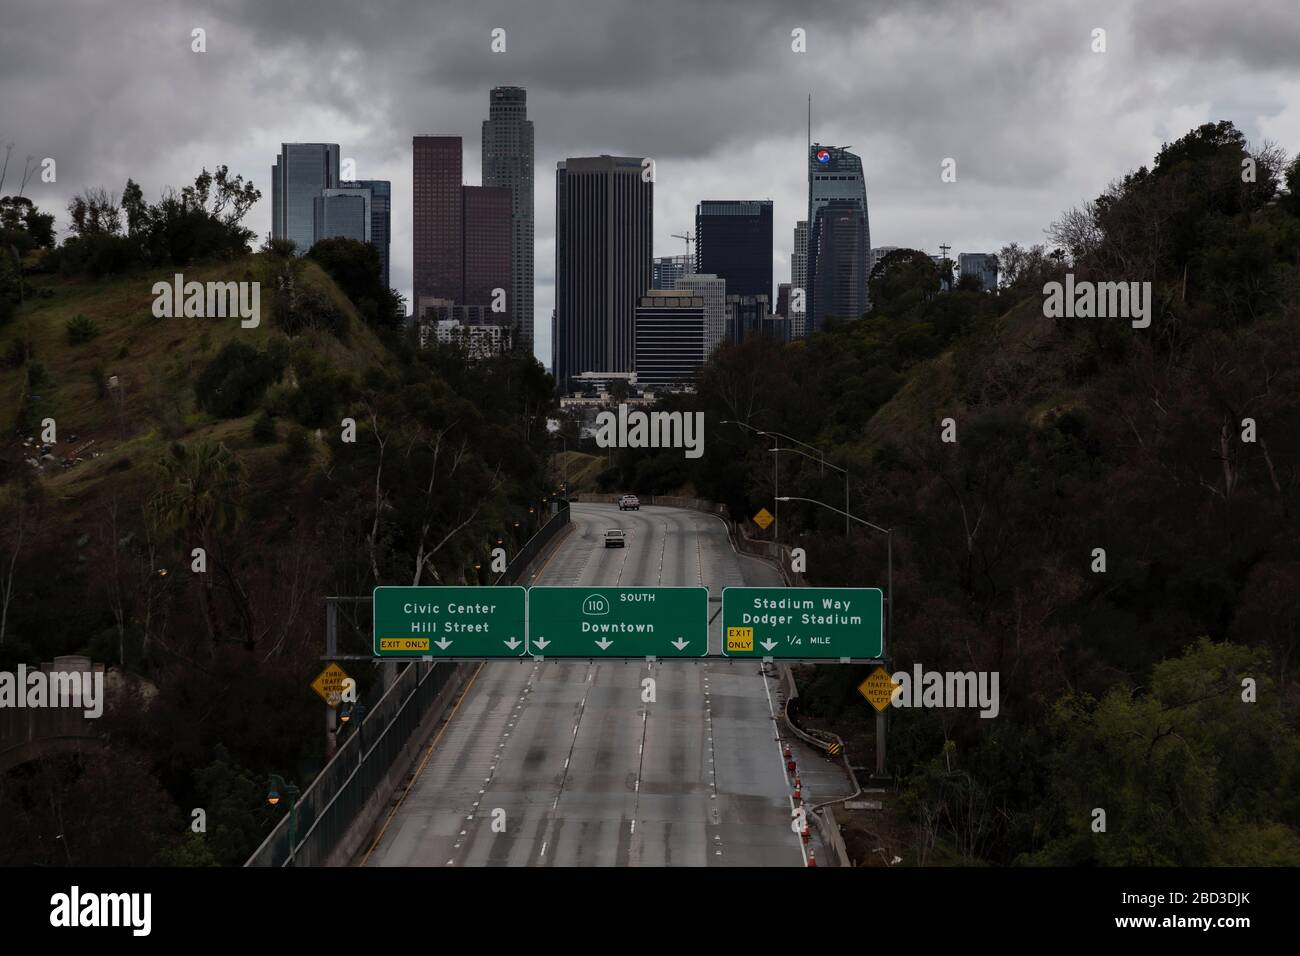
pixel 689 239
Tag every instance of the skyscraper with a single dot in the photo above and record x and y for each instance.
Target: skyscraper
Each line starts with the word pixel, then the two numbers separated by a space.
pixel 747 315
pixel 799 279
pixel 669 338
pixel 487 247
pixel 733 239
pixel 461 234
pixel 508 163
pixel 342 213
pixel 666 270
pixel 604 221
pixel 381 220
pixel 834 175
pixel 300 173
pixel 438 229
pixel 713 290
pixel 839 286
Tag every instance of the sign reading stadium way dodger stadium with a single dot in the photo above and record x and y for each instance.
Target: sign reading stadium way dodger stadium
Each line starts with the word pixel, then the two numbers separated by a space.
pixel 450 621
pixel 618 622
pixel 834 623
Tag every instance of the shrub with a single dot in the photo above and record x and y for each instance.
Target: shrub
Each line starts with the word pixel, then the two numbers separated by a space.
pixel 264 429
pixel 17 352
pixel 233 382
pixel 298 445
pixel 316 401
pixel 80 329
pixel 280 248
pixel 313 309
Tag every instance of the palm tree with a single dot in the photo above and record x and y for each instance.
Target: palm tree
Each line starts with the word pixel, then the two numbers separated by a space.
pixel 199 494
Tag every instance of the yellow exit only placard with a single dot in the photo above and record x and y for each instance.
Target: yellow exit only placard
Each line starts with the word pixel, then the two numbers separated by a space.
pixel 404 643
pixel 740 639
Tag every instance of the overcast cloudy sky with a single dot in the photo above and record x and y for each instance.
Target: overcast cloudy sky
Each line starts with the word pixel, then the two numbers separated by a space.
pixel 711 89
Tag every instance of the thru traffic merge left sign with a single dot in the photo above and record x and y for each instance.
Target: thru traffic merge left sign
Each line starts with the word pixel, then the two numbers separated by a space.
pixel 329 684
pixel 878 688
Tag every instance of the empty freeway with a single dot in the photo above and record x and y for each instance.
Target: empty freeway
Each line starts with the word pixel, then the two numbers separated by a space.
pixel 565 764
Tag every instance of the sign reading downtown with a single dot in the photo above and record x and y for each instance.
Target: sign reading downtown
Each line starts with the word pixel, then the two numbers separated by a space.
pixel 618 622
pixel 834 623
pixel 450 622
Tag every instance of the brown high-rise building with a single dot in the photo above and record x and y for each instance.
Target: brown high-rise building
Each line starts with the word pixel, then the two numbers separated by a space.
pixel 461 240
pixel 438 240
pixel 487 248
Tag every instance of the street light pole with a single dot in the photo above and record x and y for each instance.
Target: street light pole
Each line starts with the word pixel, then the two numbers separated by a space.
pixel 827 464
pixel 776 477
pixel 776 499
pixel 887 638
pixel 293 793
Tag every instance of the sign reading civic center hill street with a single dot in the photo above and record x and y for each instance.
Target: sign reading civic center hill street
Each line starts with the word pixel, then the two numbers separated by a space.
pixel 618 622
pixel 834 623
pixel 450 621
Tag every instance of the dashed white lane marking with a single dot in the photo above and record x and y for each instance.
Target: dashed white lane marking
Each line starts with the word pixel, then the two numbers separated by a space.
pixel 492 768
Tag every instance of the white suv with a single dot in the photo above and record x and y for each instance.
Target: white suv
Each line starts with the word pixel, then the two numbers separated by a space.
pixel 629 503
pixel 615 538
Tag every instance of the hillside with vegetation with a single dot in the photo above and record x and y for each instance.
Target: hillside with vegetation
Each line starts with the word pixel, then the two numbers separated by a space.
pixel 1114 529
pixel 318 453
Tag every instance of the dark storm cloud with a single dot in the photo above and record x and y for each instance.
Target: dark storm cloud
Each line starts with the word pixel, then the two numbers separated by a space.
pixel 1257 35
pixel 1009 89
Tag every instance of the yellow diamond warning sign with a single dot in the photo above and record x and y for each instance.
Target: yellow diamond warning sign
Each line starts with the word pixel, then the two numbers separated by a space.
pixel 763 518
pixel 878 688
pixel 329 684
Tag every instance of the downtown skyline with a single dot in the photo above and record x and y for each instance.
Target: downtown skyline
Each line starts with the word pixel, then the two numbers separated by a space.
pixel 724 116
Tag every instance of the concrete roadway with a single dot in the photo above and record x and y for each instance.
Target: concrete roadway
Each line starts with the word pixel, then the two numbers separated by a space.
pixel 563 764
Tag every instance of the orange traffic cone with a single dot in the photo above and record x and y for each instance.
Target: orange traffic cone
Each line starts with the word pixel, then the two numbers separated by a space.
pixel 798 789
pixel 804 833
pixel 812 857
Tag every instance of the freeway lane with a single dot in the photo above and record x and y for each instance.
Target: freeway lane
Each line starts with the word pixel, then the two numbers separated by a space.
pixel 563 764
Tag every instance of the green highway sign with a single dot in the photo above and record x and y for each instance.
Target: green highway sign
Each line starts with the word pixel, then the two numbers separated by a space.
pixel 832 623
pixel 618 622
pixel 450 621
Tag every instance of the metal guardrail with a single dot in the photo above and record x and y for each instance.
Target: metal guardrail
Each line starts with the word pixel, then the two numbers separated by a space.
pixel 330 805
pixel 533 546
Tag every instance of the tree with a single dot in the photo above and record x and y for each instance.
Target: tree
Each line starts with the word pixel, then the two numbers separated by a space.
pixel 1177 770
pixel 355 266
pixel 20 507
pixel 199 493
pixel 94 213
